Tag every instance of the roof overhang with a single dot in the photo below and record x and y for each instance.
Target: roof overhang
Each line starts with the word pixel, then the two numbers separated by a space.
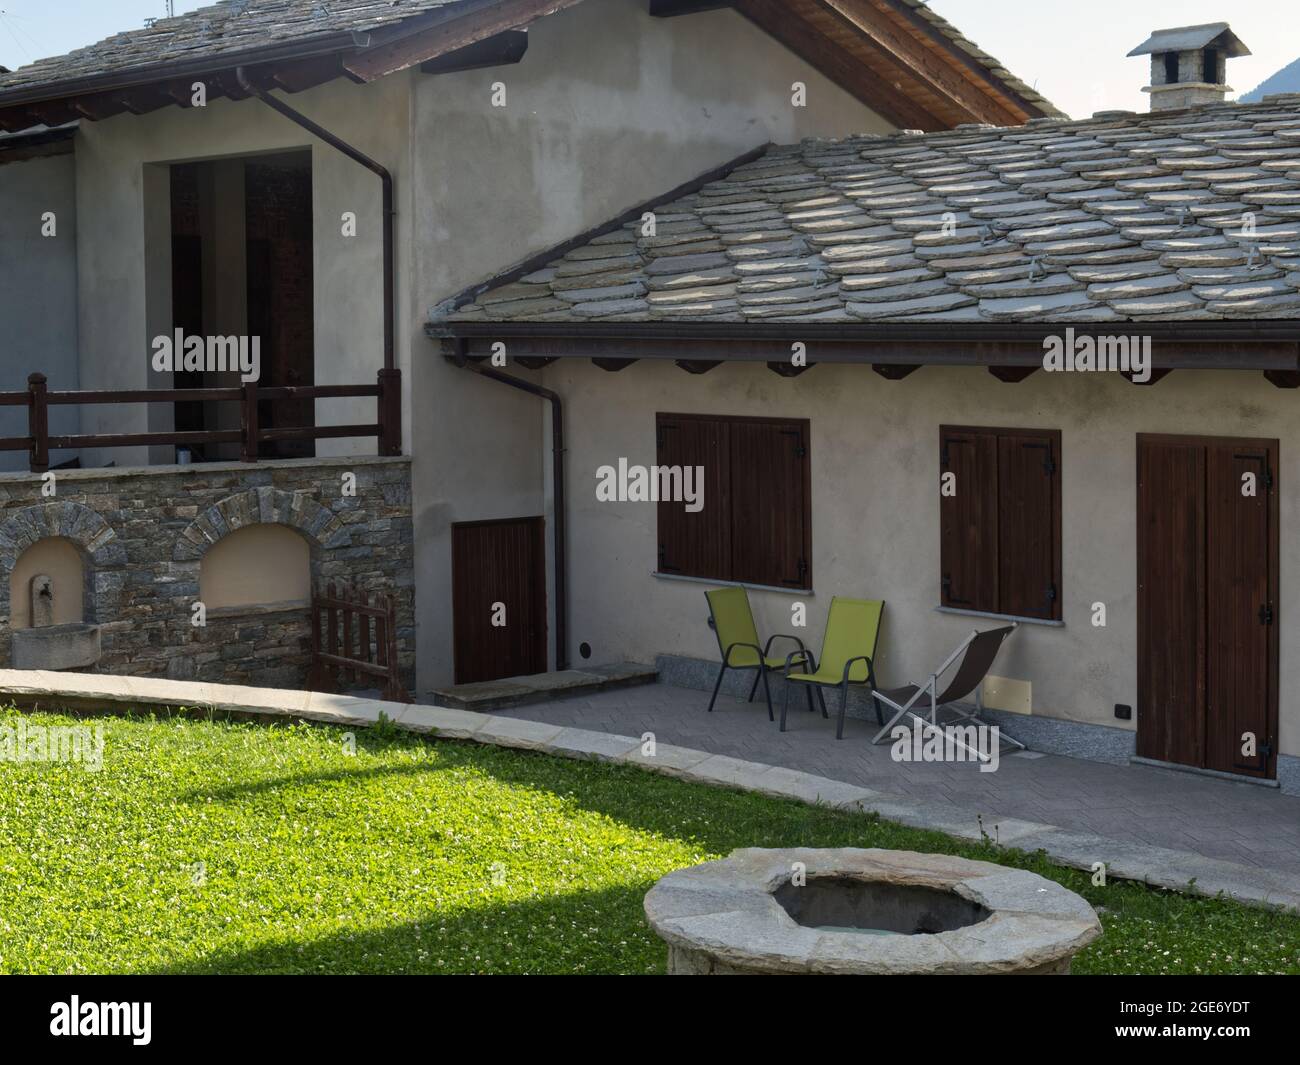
pixel 291 66
pixel 1270 346
pixel 1189 38
pixel 883 52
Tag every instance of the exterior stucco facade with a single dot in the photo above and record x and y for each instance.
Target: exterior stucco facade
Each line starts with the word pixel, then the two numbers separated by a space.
pixel 875 510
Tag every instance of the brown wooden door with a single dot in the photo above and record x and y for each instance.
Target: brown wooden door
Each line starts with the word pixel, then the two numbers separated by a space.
pixel 1207 591
pixel 1240 615
pixel 498 598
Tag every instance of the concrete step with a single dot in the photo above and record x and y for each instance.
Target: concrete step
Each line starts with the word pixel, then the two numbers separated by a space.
pixel 518 691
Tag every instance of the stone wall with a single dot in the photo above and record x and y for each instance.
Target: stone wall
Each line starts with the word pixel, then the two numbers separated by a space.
pixel 143 533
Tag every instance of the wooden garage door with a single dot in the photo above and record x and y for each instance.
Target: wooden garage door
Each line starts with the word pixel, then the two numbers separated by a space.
pixel 498 598
pixel 1207 593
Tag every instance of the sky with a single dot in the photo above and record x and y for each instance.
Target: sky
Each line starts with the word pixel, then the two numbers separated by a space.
pixel 1073 53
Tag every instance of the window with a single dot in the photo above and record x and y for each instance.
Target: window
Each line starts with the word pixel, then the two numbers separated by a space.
pixel 1000 521
pixel 755 524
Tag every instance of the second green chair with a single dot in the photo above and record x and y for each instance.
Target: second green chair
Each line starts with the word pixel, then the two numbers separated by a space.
pixel 848 655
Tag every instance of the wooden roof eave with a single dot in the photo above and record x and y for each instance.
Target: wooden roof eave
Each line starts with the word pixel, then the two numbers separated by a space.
pixel 1247 345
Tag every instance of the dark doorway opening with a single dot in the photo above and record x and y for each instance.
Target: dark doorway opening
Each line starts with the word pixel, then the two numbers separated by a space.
pixel 498 598
pixel 1207 557
pixel 242 265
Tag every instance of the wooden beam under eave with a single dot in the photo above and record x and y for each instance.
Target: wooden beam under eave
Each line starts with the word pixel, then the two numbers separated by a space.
pixel 612 365
pixel 15 120
pixel 884 38
pixel 1283 378
pixel 789 369
pixel 143 101
pixel 305 74
pixel 672 8
pixel 97 106
pixel 536 362
pixel 505 49
pixel 1155 377
pixel 50 113
pixel 449 36
pixel 892 371
pixel 844 69
pixel 696 366
pixel 1011 375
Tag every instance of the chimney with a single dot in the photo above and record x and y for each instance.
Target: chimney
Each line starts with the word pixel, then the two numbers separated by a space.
pixel 1188 65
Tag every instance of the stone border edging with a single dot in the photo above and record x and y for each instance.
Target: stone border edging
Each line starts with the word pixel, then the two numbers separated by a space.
pixel 1179 871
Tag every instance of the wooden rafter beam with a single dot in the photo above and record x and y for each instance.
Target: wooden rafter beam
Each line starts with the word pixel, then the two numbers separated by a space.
pixel 788 369
pixel 893 371
pixel 143 100
pixel 839 65
pixel 307 73
pixel 504 49
pixel 98 106
pixel 1283 378
pixel 1011 375
pixel 535 362
pixel 884 38
pixel 449 36
pixel 613 365
pixel 697 366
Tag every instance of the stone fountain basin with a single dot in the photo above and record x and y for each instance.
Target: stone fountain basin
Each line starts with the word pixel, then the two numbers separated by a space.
pixel 73 646
pixel 866 912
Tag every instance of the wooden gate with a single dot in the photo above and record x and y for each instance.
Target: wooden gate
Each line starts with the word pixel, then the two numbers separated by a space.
pixel 1207 557
pixel 354 641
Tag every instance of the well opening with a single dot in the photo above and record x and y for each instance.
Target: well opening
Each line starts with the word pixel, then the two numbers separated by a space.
pixel 873 907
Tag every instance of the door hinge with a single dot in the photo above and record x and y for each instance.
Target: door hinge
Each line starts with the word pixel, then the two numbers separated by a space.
pixel 1266 750
pixel 803 570
pixel 1049 465
pixel 1051 593
pixel 1268 479
pixel 1266 614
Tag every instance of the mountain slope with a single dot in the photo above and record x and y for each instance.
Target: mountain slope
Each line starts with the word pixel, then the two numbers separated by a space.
pixel 1285 80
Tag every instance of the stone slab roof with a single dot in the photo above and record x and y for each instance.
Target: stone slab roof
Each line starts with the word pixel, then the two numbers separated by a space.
pixel 227 27
pixel 1172 216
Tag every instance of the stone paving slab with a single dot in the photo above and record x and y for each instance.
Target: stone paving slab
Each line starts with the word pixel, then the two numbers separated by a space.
pixel 1266 882
pixel 519 691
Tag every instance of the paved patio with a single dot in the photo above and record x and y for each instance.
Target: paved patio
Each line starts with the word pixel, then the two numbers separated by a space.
pixel 1218 819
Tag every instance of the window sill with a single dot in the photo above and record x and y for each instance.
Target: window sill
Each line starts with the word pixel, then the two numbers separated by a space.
pixel 1000 617
pixel 731 584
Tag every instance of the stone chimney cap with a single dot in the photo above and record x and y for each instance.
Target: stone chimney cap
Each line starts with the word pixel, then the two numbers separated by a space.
pixel 1189 38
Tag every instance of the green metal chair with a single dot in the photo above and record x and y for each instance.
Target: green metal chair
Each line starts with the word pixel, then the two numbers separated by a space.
pixel 848 656
pixel 732 622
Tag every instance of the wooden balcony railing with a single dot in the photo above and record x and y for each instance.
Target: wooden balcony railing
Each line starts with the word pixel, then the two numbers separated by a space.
pixel 38 400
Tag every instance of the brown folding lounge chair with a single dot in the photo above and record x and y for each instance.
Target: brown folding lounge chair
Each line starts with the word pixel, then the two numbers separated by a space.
pixel 923 703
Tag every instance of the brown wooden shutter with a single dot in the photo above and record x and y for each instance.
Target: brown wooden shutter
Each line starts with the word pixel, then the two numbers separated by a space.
pixel 696 544
pixel 1028 582
pixel 768 491
pixel 968 520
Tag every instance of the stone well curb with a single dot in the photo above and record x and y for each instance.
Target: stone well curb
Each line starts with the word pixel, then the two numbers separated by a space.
pixel 1175 870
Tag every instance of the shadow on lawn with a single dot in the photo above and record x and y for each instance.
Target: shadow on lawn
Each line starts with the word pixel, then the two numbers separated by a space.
pixel 580 932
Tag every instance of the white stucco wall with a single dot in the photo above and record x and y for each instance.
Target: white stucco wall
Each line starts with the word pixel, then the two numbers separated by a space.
pixel 124 265
pixel 875 498
pixel 608 109
pixel 38 290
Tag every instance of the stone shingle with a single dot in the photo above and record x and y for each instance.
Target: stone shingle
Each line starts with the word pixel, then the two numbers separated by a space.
pixel 1153 217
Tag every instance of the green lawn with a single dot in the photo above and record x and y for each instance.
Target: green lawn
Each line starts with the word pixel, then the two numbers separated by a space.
pixel 220 847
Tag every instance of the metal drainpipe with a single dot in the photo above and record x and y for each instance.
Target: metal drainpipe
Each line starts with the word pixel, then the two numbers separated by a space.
pixel 557 492
pixel 352 153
